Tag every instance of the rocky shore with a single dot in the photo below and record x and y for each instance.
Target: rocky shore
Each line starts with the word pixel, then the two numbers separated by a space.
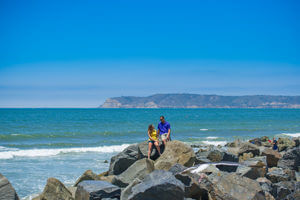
pixel 239 170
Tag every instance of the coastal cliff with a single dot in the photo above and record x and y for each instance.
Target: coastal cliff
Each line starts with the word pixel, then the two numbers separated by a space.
pixel 202 101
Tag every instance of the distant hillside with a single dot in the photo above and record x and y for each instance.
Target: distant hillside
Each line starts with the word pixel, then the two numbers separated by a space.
pixel 202 101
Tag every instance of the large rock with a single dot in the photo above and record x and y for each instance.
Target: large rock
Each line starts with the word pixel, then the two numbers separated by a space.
pixel 175 152
pixel 235 143
pixel 249 148
pixel 265 184
pixel 87 175
pixel 55 190
pixel 191 186
pixel 291 159
pixel 120 162
pixel 231 186
pixel 272 157
pixel 276 175
pixel 7 192
pixel 286 190
pixel 94 190
pixel 128 190
pixel 139 170
pixel 159 184
pixel 177 168
pixel 143 150
pixel 258 165
pixel 285 143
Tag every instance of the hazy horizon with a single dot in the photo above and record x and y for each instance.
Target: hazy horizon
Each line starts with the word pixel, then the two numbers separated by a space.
pixel 77 54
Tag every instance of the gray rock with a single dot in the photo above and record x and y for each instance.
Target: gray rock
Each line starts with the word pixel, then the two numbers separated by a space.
pixel 297 175
pixel 253 168
pixel 217 155
pixel 265 184
pixel 120 162
pixel 128 190
pixel 285 143
pixel 192 188
pixel 272 157
pixel 201 160
pixel 94 190
pixel 297 141
pixel 276 175
pixel 139 170
pixel 285 190
pixel 231 186
pixel 177 168
pixel 249 148
pixel 87 175
pixel 55 190
pixel 291 159
pixel 159 184
pixel 7 192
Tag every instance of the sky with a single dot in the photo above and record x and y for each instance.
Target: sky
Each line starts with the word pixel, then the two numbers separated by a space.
pixel 79 53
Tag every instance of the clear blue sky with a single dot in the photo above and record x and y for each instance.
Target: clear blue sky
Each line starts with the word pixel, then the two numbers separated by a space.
pixel 78 53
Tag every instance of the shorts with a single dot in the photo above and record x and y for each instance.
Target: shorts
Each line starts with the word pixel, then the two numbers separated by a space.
pixel 163 136
pixel 151 141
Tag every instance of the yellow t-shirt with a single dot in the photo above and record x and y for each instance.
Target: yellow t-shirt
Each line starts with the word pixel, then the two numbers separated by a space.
pixel 153 135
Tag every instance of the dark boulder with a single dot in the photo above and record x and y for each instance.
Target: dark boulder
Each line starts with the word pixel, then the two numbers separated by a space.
pixel 177 168
pixel 94 190
pixel 159 184
pixel 276 175
pixel 143 150
pixel 7 192
pixel 286 190
pixel 249 148
pixel 120 162
pixel 191 186
pixel 291 159
pixel 272 157
pixel 139 170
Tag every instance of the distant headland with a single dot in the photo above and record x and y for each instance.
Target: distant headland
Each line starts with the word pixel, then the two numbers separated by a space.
pixel 202 101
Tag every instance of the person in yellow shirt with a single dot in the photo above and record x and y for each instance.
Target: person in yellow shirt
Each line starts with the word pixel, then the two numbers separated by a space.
pixel 153 139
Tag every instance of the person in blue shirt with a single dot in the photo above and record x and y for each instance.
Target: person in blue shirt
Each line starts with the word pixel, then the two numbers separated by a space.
pixel 275 147
pixel 164 130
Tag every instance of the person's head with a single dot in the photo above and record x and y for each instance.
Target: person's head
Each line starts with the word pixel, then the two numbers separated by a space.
pixel 150 128
pixel 162 119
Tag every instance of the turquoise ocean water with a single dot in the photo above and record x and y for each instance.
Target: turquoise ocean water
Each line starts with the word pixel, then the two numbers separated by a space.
pixel 36 144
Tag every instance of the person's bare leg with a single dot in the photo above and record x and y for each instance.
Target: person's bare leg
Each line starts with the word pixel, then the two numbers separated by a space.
pixel 149 149
pixel 157 147
pixel 165 142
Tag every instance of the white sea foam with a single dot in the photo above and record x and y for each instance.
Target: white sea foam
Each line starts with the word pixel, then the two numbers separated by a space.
pixel 203 129
pixel 215 143
pixel 292 134
pixel 53 152
pixel 211 138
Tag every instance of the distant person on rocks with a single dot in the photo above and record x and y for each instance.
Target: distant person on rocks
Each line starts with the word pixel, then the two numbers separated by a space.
pixel 275 147
pixel 153 139
pixel 164 130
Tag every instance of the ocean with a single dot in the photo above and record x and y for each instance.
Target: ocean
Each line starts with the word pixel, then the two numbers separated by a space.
pixel 36 144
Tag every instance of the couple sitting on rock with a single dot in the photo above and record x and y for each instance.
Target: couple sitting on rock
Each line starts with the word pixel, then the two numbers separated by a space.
pixel 163 131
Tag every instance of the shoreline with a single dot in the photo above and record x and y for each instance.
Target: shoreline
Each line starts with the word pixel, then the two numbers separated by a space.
pixel 211 154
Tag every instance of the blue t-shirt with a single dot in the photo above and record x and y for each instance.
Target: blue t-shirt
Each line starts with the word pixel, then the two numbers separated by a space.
pixel 163 128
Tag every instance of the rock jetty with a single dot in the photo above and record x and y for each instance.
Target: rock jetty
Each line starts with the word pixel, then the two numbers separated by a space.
pixel 241 170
